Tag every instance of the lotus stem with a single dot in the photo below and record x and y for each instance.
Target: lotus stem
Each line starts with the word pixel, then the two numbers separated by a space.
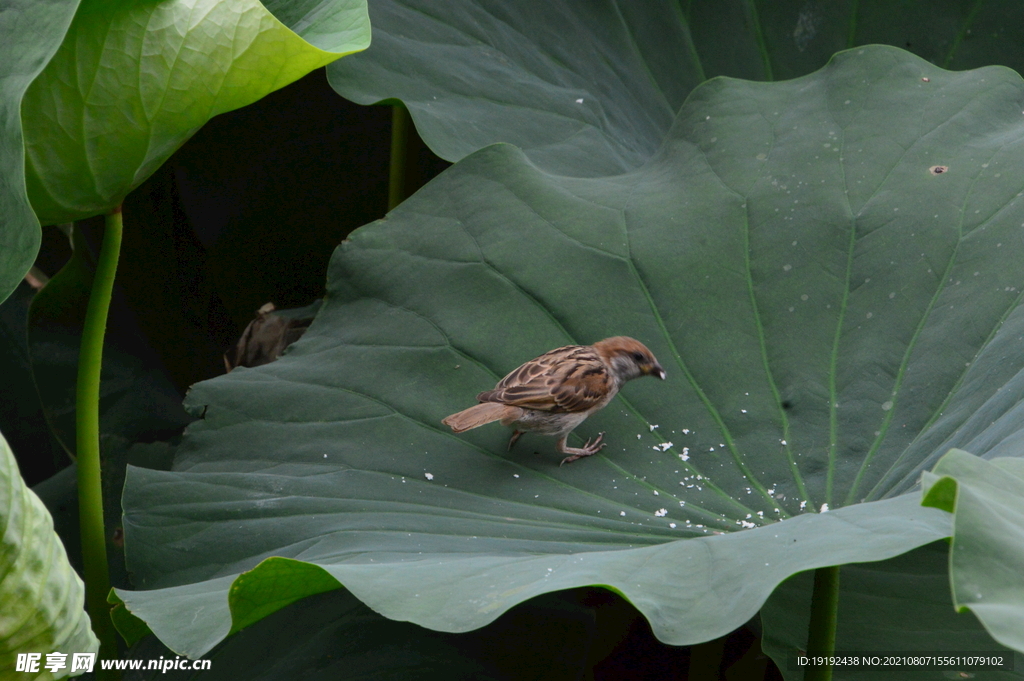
pixel 400 123
pixel 821 634
pixel 87 413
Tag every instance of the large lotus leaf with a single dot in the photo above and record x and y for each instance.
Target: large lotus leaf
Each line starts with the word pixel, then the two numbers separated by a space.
pixel 591 87
pixel 987 550
pixel 133 80
pixel 43 598
pixel 901 605
pixel 31 32
pixel 829 269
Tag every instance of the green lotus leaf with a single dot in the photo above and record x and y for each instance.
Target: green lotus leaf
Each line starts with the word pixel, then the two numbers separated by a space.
pixel 43 597
pixel 900 606
pixel 132 81
pixel 987 549
pixel 828 269
pixel 592 88
pixel 32 32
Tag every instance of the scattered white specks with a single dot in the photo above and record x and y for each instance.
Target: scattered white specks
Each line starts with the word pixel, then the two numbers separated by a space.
pixel 686 431
pixel 664 446
pixel 685 456
pixel 760 514
pixel 622 513
pixel 638 436
pixel 325 456
pixel 652 427
pixel 787 268
pixel 824 508
pixel 803 504
pixel 746 525
pixel 515 475
pixel 783 442
pixel 579 101
pixel 655 492
pixel 661 512
pixel 672 525
pixel 771 490
pixel 743 411
pixel 887 405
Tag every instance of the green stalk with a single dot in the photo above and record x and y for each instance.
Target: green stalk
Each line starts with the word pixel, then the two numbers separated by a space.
pixel 87 414
pixel 821 634
pixel 399 146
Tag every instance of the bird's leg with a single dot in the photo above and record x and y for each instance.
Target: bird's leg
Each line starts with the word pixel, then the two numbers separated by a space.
pixel 515 436
pixel 589 449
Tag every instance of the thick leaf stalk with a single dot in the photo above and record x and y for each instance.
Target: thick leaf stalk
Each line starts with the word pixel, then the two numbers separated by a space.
pixel 821 635
pixel 400 122
pixel 90 491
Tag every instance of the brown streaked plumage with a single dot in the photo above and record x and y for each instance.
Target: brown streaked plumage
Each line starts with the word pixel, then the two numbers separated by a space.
pixel 557 391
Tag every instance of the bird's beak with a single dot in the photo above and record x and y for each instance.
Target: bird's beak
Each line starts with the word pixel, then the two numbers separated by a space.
pixel 656 370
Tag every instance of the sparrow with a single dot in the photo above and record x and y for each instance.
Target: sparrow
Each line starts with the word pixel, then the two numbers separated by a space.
pixel 557 391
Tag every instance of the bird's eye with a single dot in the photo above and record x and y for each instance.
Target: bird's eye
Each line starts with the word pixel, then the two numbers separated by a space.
pixel 638 358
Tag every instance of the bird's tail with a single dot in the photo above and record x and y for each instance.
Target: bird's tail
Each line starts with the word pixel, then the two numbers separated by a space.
pixel 482 413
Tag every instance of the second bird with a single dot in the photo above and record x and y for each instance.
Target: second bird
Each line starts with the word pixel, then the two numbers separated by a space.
pixel 557 391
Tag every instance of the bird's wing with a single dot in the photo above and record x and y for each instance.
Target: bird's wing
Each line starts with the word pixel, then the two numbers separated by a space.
pixel 569 379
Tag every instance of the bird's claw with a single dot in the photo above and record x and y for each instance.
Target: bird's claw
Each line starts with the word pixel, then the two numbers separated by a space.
pixel 588 449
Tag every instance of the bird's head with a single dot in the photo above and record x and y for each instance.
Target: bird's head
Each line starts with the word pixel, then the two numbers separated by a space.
pixel 628 358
